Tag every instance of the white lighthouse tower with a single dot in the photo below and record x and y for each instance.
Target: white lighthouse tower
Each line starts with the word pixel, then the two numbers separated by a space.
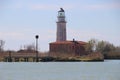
pixel 61 26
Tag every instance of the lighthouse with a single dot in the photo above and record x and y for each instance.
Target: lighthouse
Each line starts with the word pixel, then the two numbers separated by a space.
pixel 62 45
pixel 61 26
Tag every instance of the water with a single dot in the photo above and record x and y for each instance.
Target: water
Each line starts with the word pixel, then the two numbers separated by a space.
pixel 108 70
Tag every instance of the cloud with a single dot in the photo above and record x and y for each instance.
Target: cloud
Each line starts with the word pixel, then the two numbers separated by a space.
pixel 76 6
pixel 49 6
pixel 83 35
pixel 12 6
pixel 42 7
pixel 12 35
pixel 101 6
pixel 67 6
pixel 35 6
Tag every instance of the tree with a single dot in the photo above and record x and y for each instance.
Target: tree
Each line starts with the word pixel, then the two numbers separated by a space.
pixel 100 46
pixel 117 49
pixel 30 47
pixel 91 45
pixel 104 47
pixel 2 43
pixel 94 45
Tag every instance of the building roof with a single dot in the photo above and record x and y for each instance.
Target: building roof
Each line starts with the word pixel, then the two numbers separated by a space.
pixel 69 42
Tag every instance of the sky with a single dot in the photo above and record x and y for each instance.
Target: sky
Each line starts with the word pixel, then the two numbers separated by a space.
pixel 21 20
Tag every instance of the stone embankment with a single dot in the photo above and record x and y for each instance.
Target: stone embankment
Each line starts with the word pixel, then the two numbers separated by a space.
pixel 90 57
pixel 29 57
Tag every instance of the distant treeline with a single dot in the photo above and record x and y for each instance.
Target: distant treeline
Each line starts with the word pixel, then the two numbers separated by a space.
pixel 109 50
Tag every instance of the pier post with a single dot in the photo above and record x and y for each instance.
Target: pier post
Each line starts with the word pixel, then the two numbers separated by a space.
pixel 9 58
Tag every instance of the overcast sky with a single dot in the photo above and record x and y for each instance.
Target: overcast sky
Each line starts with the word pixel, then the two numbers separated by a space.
pixel 21 20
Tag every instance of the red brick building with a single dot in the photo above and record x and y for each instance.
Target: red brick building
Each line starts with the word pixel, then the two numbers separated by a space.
pixel 75 47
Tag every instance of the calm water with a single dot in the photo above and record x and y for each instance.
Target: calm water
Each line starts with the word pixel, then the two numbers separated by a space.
pixel 108 70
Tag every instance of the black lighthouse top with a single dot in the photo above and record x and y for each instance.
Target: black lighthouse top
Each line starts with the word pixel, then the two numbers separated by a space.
pixel 61 10
pixel 61 13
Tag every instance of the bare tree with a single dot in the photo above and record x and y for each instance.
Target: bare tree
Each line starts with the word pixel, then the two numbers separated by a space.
pixel 99 46
pixel 91 45
pixel 117 49
pixel 30 47
pixel 2 43
pixel 104 47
